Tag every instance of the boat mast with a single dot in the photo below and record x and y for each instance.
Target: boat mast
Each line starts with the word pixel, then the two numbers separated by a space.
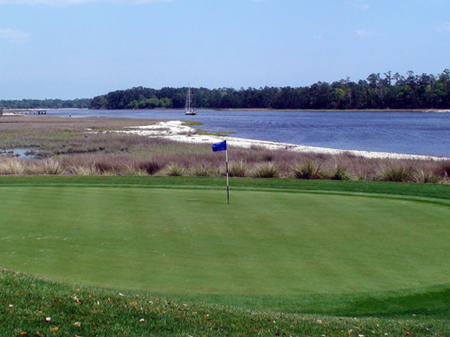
pixel 188 108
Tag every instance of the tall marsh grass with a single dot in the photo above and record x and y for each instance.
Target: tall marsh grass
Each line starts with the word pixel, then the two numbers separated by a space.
pixel 396 173
pixel 150 166
pixel 12 166
pixel 266 170
pixel 174 170
pixel 238 169
pixel 282 164
pixel 427 177
pixel 203 171
pixel 308 170
pixel 340 173
pixel 86 146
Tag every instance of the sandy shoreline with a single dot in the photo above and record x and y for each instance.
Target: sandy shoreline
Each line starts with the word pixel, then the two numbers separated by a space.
pixel 175 130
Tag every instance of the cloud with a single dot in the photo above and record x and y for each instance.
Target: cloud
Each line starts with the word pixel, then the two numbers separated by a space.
pixel 14 35
pixel 73 2
pixel 444 28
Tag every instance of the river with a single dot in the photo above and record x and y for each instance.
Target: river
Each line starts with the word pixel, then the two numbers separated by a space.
pixel 420 133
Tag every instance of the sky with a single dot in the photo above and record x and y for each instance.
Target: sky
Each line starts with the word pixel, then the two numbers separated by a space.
pixel 71 49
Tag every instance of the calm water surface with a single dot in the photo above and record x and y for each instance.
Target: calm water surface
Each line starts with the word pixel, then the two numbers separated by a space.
pixel 398 132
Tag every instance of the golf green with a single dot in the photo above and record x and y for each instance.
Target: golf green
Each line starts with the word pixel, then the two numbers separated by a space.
pixel 189 241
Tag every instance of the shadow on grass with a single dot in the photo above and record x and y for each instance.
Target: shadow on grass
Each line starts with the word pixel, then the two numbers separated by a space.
pixel 430 301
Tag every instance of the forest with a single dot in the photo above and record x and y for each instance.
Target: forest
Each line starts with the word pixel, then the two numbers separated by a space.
pixel 377 92
pixel 387 91
pixel 46 104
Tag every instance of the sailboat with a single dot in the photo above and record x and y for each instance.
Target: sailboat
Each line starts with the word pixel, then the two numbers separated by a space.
pixel 188 110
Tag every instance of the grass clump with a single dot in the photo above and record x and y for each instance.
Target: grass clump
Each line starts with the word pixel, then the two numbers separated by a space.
pixel 396 173
pixel 202 171
pixel 308 170
pixel 174 170
pixel 266 170
pixel 238 169
pixel 340 173
pixel 150 166
pixel 427 177
pixel 49 166
pixel 82 170
pixel 12 166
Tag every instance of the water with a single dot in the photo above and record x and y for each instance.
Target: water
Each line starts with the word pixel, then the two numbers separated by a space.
pixel 397 132
pixel 20 153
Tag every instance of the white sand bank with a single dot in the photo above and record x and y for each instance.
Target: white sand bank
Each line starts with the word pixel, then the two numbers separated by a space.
pixel 175 130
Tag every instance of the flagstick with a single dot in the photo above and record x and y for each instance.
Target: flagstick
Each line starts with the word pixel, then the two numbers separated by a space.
pixel 228 185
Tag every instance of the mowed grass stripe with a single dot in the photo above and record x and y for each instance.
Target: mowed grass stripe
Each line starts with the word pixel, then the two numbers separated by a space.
pixel 191 242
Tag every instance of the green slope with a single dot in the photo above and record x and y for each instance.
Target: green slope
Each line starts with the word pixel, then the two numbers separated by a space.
pixel 371 251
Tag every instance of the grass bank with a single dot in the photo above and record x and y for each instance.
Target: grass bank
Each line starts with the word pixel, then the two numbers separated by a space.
pixel 31 306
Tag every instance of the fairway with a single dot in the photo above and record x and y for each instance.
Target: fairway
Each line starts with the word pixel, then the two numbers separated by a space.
pixel 189 241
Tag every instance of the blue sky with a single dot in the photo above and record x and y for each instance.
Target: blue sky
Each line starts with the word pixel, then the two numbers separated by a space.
pixel 83 48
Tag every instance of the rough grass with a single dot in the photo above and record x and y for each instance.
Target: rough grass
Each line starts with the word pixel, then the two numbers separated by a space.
pixel 49 308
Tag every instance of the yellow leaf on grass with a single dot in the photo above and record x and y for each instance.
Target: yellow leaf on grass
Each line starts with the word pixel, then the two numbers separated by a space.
pixel 54 329
pixel 77 324
pixel 133 303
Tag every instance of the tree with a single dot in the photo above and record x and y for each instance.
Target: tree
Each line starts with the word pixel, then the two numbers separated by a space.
pixel 442 90
pixel 99 102
pixel 321 96
pixel 375 92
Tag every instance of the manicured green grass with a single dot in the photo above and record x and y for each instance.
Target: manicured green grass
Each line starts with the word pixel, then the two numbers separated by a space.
pixel 187 241
pixel 399 189
pixel 303 248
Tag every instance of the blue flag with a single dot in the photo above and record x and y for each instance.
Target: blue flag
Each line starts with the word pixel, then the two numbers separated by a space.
pixel 222 146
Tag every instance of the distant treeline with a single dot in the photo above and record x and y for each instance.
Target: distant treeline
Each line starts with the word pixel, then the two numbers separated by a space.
pixel 387 91
pixel 46 103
